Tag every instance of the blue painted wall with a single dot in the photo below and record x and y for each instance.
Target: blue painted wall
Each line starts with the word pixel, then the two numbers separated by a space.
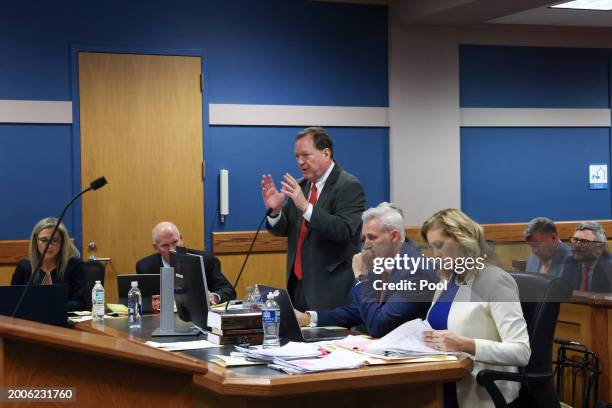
pixel 515 174
pixel 533 77
pixel 258 52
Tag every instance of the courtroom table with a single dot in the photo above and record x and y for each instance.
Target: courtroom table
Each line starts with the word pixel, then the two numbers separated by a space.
pixel 416 385
pixel 98 370
pixel 587 318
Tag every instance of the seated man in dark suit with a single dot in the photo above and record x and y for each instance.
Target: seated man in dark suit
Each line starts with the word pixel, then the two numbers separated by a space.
pixel 378 309
pixel 548 252
pixel 590 267
pixel 166 237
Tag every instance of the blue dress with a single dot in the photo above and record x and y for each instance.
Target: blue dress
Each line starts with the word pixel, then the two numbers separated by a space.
pixel 438 320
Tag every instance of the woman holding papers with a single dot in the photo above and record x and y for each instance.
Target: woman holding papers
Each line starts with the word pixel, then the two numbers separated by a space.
pixel 478 312
pixel 61 263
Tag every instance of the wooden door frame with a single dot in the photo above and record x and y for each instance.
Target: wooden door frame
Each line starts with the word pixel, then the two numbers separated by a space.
pixel 77 210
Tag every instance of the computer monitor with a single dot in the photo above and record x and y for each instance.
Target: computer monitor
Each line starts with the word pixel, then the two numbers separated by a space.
pixel 190 288
pixel 41 303
pixel 147 283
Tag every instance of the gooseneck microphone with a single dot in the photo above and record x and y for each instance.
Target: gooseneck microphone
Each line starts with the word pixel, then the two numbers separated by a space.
pixel 268 212
pixel 94 185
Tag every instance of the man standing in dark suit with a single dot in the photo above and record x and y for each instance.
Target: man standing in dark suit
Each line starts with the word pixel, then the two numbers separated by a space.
pixel 166 237
pixel 590 267
pixel 322 230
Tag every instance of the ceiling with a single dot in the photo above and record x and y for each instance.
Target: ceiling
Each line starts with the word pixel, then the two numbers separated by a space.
pixel 463 13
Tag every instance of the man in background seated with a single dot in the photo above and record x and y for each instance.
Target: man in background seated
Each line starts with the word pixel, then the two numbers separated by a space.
pixel 590 267
pixel 379 310
pixel 166 237
pixel 548 253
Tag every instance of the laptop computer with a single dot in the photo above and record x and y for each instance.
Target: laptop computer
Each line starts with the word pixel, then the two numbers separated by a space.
pixel 41 303
pixel 289 326
pixel 147 283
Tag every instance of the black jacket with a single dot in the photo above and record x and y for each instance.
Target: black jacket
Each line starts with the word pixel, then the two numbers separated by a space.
pixel 331 242
pixel 74 277
pixel 601 280
pixel 217 283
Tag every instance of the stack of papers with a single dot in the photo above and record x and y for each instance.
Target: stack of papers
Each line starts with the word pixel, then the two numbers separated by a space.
pixel 234 360
pixel 405 340
pixel 182 345
pixel 339 359
pixel 290 351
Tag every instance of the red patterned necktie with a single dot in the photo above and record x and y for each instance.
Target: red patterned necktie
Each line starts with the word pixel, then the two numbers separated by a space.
pixel 584 281
pixel 297 265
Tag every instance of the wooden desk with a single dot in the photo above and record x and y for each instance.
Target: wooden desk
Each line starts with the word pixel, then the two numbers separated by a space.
pixel 104 371
pixel 587 318
pixel 420 385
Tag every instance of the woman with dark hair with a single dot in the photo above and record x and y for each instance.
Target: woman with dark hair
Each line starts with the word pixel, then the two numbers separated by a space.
pixel 61 264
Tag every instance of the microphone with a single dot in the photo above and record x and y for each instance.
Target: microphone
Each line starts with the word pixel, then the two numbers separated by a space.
pixel 98 183
pixel 94 185
pixel 268 212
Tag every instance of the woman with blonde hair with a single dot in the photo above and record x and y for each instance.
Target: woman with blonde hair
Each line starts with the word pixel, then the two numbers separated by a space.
pixel 61 264
pixel 479 312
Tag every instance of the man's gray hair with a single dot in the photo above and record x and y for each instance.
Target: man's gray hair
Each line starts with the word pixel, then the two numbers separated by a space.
pixel 164 225
pixel 540 225
pixel 390 215
pixel 597 229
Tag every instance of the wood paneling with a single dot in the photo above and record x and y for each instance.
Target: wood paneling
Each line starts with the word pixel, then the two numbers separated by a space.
pixel 6 272
pixel 13 251
pixel 141 127
pixel 268 269
pixel 239 242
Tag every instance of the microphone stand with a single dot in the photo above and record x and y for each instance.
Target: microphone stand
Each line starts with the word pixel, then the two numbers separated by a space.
pixel 249 251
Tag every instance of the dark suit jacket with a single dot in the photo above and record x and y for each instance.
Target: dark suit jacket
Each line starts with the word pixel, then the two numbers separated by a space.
pixel 399 306
pixel 74 277
pixel 601 280
pixel 331 242
pixel 217 283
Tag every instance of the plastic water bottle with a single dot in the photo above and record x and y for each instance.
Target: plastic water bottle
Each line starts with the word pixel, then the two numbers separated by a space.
pixel 248 299
pixel 257 301
pixel 97 302
pixel 134 306
pixel 270 319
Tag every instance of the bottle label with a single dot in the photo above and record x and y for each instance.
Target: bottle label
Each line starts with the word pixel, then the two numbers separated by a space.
pixel 99 297
pixel 270 316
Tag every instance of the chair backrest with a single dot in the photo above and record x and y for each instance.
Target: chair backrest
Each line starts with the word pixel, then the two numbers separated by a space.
pixel 540 296
pixel 94 271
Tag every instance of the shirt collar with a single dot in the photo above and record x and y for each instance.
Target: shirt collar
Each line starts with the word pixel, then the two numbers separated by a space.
pixel 165 263
pixel 321 182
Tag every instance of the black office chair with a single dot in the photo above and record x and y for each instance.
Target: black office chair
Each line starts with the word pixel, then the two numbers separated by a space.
pixel 540 296
pixel 94 271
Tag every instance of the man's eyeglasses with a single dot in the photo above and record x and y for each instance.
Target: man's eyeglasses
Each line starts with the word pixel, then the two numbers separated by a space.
pixel 580 241
pixel 54 241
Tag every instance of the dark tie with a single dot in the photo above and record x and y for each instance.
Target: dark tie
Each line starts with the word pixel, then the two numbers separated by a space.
pixel 297 265
pixel 584 280
pixel 385 279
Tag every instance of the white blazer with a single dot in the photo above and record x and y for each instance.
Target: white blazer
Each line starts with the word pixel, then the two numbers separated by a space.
pixel 487 309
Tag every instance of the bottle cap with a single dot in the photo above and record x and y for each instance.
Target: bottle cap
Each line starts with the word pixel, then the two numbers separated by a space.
pixel 134 284
pixel 100 282
pixel 270 295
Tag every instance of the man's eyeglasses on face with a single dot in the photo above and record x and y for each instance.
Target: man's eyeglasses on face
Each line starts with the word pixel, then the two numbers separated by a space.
pixel 54 241
pixel 580 241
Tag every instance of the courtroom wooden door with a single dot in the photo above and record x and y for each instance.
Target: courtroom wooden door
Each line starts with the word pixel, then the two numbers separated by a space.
pixel 141 128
